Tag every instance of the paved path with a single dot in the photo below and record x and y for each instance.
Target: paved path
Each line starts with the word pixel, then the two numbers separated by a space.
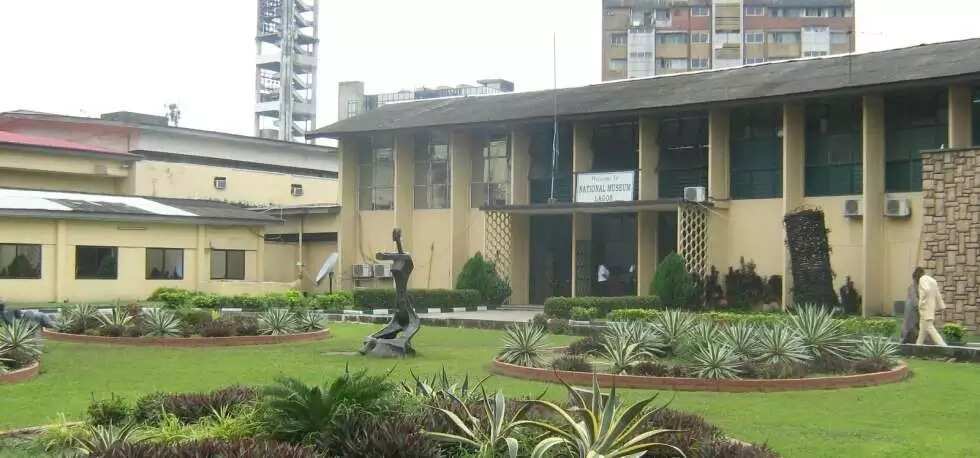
pixel 490 315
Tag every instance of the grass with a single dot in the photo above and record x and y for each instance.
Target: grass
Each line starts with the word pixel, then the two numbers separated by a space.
pixel 936 413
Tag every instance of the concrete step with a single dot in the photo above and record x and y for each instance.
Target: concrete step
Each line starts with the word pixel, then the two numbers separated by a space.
pixel 523 308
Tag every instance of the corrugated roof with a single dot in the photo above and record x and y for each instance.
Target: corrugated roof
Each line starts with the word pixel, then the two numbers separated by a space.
pixel 71 205
pixel 11 138
pixel 802 77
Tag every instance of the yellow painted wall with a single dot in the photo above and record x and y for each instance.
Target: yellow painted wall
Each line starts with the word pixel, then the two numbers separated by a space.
pixel 59 182
pixel 431 247
pixel 845 237
pixel 752 228
pixel 62 164
pixel 902 237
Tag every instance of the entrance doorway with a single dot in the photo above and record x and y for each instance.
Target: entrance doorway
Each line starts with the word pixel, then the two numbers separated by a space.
pixel 666 234
pixel 614 246
pixel 550 257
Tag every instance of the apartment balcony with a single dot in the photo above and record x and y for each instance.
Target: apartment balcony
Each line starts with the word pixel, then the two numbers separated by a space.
pixel 302 63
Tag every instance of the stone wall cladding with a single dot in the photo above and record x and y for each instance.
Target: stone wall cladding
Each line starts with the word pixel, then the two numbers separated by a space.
pixel 951 230
pixel 195 342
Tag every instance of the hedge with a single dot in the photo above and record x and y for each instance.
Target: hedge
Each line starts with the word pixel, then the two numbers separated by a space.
pixel 633 315
pixel 176 298
pixel 384 298
pixel 561 307
pixel 886 327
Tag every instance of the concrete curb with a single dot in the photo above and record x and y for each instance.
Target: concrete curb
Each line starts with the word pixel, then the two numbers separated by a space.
pixel 21 375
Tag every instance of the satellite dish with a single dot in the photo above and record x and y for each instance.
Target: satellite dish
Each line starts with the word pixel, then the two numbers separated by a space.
pixel 327 268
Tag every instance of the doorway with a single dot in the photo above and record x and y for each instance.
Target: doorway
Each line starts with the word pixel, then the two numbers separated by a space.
pixel 551 257
pixel 666 234
pixel 614 246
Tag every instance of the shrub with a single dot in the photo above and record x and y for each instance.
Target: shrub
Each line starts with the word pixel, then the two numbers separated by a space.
pixel 756 319
pixel 161 323
pixel 583 313
pixel 368 436
pixel 19 342
pixel 632 315
pixel 885 327
pixel 245 302
pixel 823 336
pixel 649 369
pixel 191 407
pixel 561 307
pixel 524 345
pixel 558 326
pixel 193 319
pixel 620 354
pixel 384 298
pixel 876 350
pixel 119 318
pixel 148 409
pixel 673 326
pixel 246 325
pixel 743 286
pixel 172 297
pixel 277 322
pixel 218 328
pixel 309 321
pixel 689 432
pixel 540 319
pixel 953 332
pixel 242 448
pixel 112 330
pixel 584 346
pixel 333 302
pixel 672 283
pixel 779 346
pixel 205 301
pixel 112 411
pixel 574 363
pixel 713 360
pixel 481 275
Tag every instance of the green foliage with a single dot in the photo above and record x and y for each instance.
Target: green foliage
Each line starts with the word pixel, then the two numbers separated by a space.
pixel 743 286
pixel 583 313
pixel 953 332
pixel 241 448
pixel 490 434
pixel 780 346
pixel 481 275
pixel 584 346
pixel 621 354
pixel 885 327
pixel 277 322
pixel 823 336
pixel 876 349
pixel 245 325
pixel 193 319
pixel 634 332
pixel 79 319
pixel 221 327
pixel 673 326
pixel 633 315
pixel 118 318
pixel 99 440
pixel 205 301
pixel 713 360
pixel 574 363
pixel 309 321
pixel 19 342
pixel 441 386
pixel 61 437
pixel 524 345
pixel 742 338
pixel 173 297
pixel 161 323
pixel 333 302
pixel 112 411
pixel 561 307
pixel 756 319
pixel 390 436
pixel 672 283
pixel 384 298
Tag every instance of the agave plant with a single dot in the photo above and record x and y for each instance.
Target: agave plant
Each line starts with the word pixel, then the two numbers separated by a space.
pixel 621 355
pixel 117 318
pixel 742 338
pixel 673 327
pixel 602 429
pixel 822 335
pixel 277 322
pixel 161 323
pixel 19 341
pixel 524 345
pixel 79 318
pixel 780 346
pixel 701 334
pixel 100 439
pixel 713 360
pixel 441 385
pixel 65 322
pixel 488 435
pixel 309 321
pixel 877 349
pixel 638 332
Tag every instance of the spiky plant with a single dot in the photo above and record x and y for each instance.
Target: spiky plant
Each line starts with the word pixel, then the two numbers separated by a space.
pixel 160 323
pixel 65 322
pixel 441 386
pixel 309 321
pixel 19 341
pixel 599 426
pixel 673 327
pixel 98 440
pixel 877 349
pixel 714 360
pixel 780 346
pixel 742 338
pixel 638 332
pixel 620 355
pixel 489 435
pixel 524 345
pixel 117 318
pixel 822 335
pixel 277 322
pixel 702 333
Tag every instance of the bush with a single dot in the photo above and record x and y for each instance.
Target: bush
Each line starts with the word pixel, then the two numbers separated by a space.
pixel 953 332
pixel 573 363
pixel 191 407
pixel 367 436
pixel 584 346
pixel 689 432
pixel 672 283
pixel 111 411
pixel 649 369
pixel 633 315
pixel 481 275
pixel 583 313
pixel 194 319
pixel 149 408
pixel 561 307
pixel 333 302
pixel 743 286
pixel 885 327
pixel 245 302
pixel 384 298
pixel 218 328
pixel 205 301
pixel 172 297
pixel 246 325
pixel 759 319
pixel 540 320
pixel 242 448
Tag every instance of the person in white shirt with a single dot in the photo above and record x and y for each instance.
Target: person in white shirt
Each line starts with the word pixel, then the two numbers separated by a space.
pixel 602 277
pixel 930 302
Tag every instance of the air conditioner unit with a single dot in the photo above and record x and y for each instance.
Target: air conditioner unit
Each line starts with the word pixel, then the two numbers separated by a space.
pixel 363 271
pixel 220 183
pixel 896 207
pixel 853 208
pixel 695 194
pixel 382 270
pixel 296 190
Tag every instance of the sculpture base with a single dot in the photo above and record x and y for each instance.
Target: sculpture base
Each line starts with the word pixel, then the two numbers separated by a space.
pixel 387 348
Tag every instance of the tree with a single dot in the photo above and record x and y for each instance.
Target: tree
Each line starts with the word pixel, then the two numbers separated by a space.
pixel 481 275
pixel 672 283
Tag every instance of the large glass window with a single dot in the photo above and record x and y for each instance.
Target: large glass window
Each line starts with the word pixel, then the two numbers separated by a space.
pixel 432 170
pixel 914 122
pixel 545 165
pixel 164 264
pixel 683 155
pixel 757 152
pixel 227 264
pixel 377 175
pixel 833 148
pixel 491 171
pixel 96 262
pixel 20 261
pixel 672 38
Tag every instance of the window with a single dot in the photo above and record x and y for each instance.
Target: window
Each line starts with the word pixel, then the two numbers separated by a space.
pixel 639 18
pixel 811 12
pixel 836 12
pixel 227 264
pixel 661 15
pixel 699 37
pixel 785 12
pixel 757 152
pixel 641 55
pixel 814 53
pixel 491 172
pixel 755 36
pixel 296 190
pixel 220 182
pixel 671 64
pixel 699 63
pixel 914 121
pixel 164 264
pixel 754 60
pixel 672 38
pixel 784 38
pixel 755 11
pixel 96 262
pixel 700 11
pixel 727 38
pixel 833 148
pixel 840 38
pixel 377 175
pixel 20 261
pixel 617 65
pixel 617 39
pixel 432 170
pixel 683 154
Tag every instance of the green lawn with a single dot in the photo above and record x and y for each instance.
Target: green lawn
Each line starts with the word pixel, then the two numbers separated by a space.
pixel 936 413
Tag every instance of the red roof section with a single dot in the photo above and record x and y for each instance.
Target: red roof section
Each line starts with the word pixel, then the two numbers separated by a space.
pixel 56 143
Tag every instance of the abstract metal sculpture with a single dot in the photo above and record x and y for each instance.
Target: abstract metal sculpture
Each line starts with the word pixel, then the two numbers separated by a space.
pixel 387 343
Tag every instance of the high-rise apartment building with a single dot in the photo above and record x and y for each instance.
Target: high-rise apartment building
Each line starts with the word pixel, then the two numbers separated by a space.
pixel 655 37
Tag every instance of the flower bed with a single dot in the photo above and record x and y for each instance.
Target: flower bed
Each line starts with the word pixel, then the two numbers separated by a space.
pixel 896 374
pixel 231 341
pixel 20 375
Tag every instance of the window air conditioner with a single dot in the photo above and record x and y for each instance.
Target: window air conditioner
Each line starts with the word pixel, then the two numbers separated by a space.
pixel 363 271
pixel 382 270
pixel 897 207
pixel 220 183
pixel 853 208
pixel 296 190
pixel 695 194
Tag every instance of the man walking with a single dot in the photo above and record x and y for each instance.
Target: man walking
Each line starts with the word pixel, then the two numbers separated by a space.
pixel 930 302
pixel 602 277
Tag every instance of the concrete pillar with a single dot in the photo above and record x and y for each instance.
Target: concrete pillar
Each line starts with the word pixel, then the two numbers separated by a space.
pixel 794 151
pixel 646 222
pixel 202 259
pixel 719 156
pixel 520 169
pixel 260 256
pixel 461 149
pixel 520 225
pixel 582 158
pixel 347 235
pixel 873 145
pixel 960 116
pixel 62 267
pixel 404 150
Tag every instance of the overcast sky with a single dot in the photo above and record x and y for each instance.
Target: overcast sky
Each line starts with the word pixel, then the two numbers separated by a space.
pixel 85 57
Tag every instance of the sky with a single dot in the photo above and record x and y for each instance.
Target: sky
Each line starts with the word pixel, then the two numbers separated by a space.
pixel 86 57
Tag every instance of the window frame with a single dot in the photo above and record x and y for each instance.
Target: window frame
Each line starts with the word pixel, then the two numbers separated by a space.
pixel 700 8
pixel 613 41
pixel 705 60
pixel 480 181
pixel 756 119
pixel 164 258
pixel 424 158
pixel 372 163
pixel 677 38
pixel 750 8
pixel 700 33
pixel 114 253
pixel 755 33
pixel 819 152
pixel 616 68
pixel 17 247
pixel 226 251
pixel 913 162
